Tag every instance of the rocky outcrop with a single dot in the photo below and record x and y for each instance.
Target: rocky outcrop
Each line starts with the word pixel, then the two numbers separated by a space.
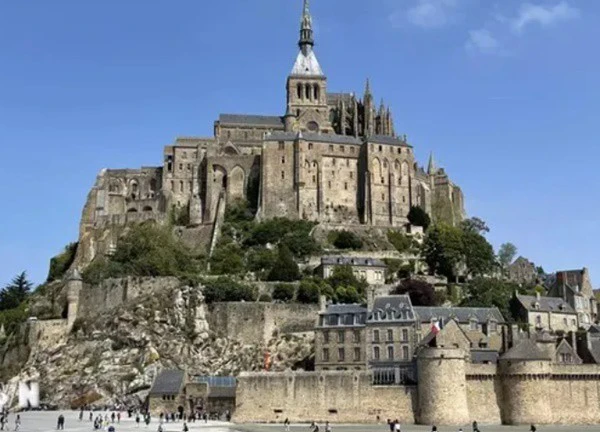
pixel 116 354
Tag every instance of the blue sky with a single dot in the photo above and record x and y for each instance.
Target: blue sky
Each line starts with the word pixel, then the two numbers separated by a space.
pixel 505 93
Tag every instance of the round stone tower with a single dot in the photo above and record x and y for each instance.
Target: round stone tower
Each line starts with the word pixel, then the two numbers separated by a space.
pixel 442 387
pixel 74 285
pixel 525 372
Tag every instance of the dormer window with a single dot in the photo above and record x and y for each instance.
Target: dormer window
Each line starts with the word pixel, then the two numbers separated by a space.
pixel 536 305
pixel 473 324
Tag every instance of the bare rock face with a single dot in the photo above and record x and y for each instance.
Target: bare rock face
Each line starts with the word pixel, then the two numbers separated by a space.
pixel 114 356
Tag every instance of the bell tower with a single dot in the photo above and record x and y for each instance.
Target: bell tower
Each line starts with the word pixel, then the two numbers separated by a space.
pixel 307 109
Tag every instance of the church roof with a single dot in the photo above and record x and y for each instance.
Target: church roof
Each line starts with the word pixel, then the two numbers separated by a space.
pixel 326 138
pixel 248 119
pixel 526 350
pixel 168 381
pixel 307 65
pixel 385 139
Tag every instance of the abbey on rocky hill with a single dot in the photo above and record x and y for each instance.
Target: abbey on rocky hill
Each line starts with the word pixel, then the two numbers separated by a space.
pixel 332 158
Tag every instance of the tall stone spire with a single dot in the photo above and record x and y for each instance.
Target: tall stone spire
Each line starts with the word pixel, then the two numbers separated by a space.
pixel 306 42
pixel 431 167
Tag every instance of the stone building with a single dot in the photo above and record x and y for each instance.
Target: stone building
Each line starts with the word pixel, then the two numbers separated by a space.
pixel 330 157
pixel 522 271
pixel 340 338
pixel 546 313
pixel 167 392
pixel 370 269
pixel 575 288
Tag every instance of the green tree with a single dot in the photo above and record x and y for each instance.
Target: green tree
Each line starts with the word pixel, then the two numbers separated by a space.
pixel 227 259
pixel 419 217
pixel 488 292
pixel 347 295
pixel 347 240
pixel 225 289
pixel 308 291
pixel 506 254
pixel 16 292
pixel 420 293
pixel 61 262
pixel 475 225
pixel 260 259
pixel 478 254
pixel 400 241
pixel 343 276
pixel 283 292
pixel 285 268
pixel 443 249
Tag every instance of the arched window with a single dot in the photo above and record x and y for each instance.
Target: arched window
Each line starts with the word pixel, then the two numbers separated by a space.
pixel 153 185
pixel 317 91
pixel 299 90
pixel 181 186
pixel 307 91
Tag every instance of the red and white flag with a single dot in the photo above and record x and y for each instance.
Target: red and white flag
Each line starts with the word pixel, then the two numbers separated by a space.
pixel 435 327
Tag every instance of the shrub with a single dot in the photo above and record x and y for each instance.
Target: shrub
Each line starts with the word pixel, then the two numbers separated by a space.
pixel 347 295
pixel 61 262
pixel 399 240
pixel 420 293
pixel 227 259
pixel 260 259
pixel 308 292
pixel 347 240
pixel 294 234
pixel 283 292
pixel 180 215
pixel 265 298
pixel 225 289
pixel 285 268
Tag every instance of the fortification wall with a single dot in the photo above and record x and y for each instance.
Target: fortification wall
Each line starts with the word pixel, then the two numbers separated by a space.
pixel 484 392
pixel 114 292
pixel 256 323
pixel 47 333
pixel 335 396
pixel 574 394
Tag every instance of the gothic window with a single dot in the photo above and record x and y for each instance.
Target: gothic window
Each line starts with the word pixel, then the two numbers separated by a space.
pixel 403 199
pixel 347 162
pixel 380 148
pixel 282 175
pixel 329 184
pixel 180 186
pixel 172 185
pixel 382 197
pixel 310 146
pixel 333 162
pixel 316 91
pixel 299 89
pixel 307 91
pixel 400 181
pixel 282 159
pixel 385 164
pixel 314 164
pixel 351 175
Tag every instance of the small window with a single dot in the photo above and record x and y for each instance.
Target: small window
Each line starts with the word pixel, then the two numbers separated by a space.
pixel 341 355
pixel 405 352
pixel 330 148
pixel 347 162
pixel 326 336
pixel 180 186
pixel 314 179
pixel 380 148
pixel 390 335
pixel 189 167
pixel 310 146
pixel 185 155
pixel 245 135
pixel 403 199
pixel 404 335
pixel 382 180
pixel 281 145
pixel 376 353
pixel 356 354
pixel 282 159
pixel 356 336
pixel 282 175
pixel 333 162
pixel 345 186
pixel 382 197
pixel 565 321
pixel 325 354
pixel 375 335
pixel 180 167
pixel 228 134
pixel 341 336
pixel 351 175
pixel 473 324
pixel 390 353
pixel 399 150
pixel 573 322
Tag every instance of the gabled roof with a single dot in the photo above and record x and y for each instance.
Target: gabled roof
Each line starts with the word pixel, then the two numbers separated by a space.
pixel 249 119
pixel 461 314
pixel 168 381
pixel 546 304
pixel 526 350
pixel 392 308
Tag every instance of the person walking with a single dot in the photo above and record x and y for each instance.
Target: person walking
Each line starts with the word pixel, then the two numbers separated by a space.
pixel 327 427
pixel 119 417
pixel 286 424
pixel 60 425
pixel 434 428
pixel 137 420
pixel 532 428
pixel 396 426
pixel 17 422
pixel 185 427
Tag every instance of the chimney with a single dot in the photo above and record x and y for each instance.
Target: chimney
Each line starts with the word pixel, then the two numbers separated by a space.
pixel 370 298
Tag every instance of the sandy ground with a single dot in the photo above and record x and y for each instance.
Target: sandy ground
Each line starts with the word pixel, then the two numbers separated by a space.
pixel 37 421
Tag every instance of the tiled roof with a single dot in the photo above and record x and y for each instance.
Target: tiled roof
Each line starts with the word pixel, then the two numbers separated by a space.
pixel 546 304
pixel 526 350
pixel 168 381
pixel 342 309
pixel 461 314
pixel 392 308
pixel 352 261
pixel 247 119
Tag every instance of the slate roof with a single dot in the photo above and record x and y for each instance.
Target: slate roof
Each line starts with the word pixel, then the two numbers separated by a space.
pixel 168 381
pixel 384 139
pixel 334 98
pixel 343 309
pixel 547 304
pixel 484 356
pixel 307 65
pixel 248 119
pixel 525 350
pixel 392 308
pixel 218 386
pixel 325 138
pixel 461 314
pixel 352 261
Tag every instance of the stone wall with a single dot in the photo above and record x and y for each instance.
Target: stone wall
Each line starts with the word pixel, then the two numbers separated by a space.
pixel 483 393
pixel 111 293
pixel 256 323
pixel 47 333
pixel 338 396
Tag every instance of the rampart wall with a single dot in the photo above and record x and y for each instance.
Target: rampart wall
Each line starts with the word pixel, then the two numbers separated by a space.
pixel 336 396
pixel 256 323
pixel 515 392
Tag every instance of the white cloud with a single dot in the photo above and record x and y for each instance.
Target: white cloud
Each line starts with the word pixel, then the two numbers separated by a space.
pixel 483 41
pixel 426 14
pixel 543 15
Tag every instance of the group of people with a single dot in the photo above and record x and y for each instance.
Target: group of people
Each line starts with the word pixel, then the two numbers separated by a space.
pixel 4 421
